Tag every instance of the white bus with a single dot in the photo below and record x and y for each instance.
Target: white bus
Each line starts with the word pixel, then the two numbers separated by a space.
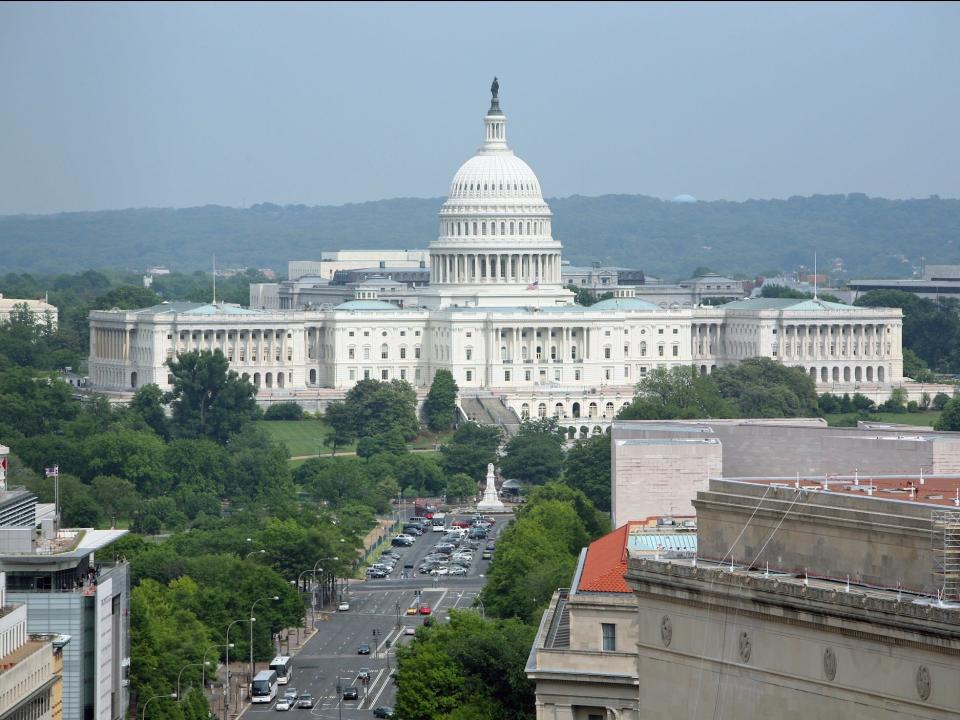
pixel 439 521
pixel 283 667
pixel 264 687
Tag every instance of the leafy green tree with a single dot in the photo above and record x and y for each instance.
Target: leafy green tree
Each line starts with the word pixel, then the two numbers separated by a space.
pixel 595 522
pixel 158 514
pixel 761 387
pixel 34 404
pixel 440 408
pixel 471 449
pixel 915 367
pixel 535 454
pixel 679 392
pixel 259 468
pixel 390 442
pixel 418 470
pixel 200 465
pixel 115 496
pixel 950 417
pixel 532 561
pixel 134 456
pixel 586 467
pixel 461 486
pixel 208 399
pixel 148 404
pixel 343 425
pixel 940 401
pixel 284 411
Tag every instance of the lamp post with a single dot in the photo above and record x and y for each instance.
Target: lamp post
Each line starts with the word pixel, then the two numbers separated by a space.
pixel 255 552
pixel 317 564
pixel 180 674
pixel 479 602
pixel 144 713
pixel 226 705
pixel 313 612
pixel 203 672
pixel 252 621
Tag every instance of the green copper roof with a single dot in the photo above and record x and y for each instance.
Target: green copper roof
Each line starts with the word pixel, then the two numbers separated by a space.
pixel 189 308
pixel 792 304
pixel 626 303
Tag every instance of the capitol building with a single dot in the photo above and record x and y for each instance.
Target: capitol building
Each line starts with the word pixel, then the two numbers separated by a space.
pixel 496 314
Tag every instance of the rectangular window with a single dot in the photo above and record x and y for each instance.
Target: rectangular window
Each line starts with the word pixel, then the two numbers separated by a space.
pixel 506 376
pixel 416 333
pixel 576 374
pixel 351 353
pixel 384 354
pixel 353 374
pixel 643 370
pixel 366 374
pixel 606 353
pixel 384 374
pixel 350 333
pixel 626 350
pixel 609 632
pixel 606 373
pixel 526 375
pixel 403 374
pixel 403 353
pixel 366 333
pixel 416 374
pixel 675 331
pixel 366 353
pixel 469 353
pixel 469 334
pixel 626 371
pixel 469 375
pixel 676 351
pixel 660 350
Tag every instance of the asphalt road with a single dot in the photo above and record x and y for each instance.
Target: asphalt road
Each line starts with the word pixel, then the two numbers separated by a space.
pixel 331 655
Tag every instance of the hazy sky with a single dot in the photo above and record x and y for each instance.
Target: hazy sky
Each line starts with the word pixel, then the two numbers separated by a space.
pixel 113 106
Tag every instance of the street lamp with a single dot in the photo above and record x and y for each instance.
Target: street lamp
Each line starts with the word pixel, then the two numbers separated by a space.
pixel 226 705
pixel 255 552
pixel 252 621
pixel 203 672
pixel 180 674
pixel 479 602
pixel 316 566
pixel 144 713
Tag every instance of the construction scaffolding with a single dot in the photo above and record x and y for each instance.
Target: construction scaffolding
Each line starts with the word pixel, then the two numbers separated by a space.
pixel 945 536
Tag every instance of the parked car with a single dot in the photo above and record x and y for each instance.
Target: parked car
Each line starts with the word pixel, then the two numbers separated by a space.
pixel 376 574
pixel 350 693
pixel 344 606
pixel 440 570
pixel 305 701
pixel 458 570
pixel 460 523
pixel 402 541
pixel 383 712
pixel 283 704
pixel 487 555
pixel 363 649
pixel 410 630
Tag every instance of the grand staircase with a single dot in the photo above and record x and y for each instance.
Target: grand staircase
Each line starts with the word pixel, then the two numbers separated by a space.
pixel 489 410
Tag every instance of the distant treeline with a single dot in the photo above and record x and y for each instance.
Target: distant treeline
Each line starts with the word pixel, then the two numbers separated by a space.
pixel 872 236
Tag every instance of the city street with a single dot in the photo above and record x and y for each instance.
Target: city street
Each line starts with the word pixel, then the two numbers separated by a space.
pixel 377 614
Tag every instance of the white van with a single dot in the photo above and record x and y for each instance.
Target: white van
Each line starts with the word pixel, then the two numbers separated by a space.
pixel 439 522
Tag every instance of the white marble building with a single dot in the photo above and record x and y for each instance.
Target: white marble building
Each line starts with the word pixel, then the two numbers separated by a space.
pixel 497 315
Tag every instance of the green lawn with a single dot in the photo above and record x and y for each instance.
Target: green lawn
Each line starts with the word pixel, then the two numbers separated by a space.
pixel 302 437
pixel 922 419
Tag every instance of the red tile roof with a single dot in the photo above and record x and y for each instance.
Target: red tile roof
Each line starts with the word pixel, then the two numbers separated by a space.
pixel 606 562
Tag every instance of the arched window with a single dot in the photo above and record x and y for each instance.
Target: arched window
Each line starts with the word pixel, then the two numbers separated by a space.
pixel 483 228
pixel 593 410
pixel 133 379
pixel 313 377
pixel 608 410
pixel 281 378
pixel 268 379
pixel 502 230
pixel 519 228
pixel 858 374
pixel 503 353
pixel 542 410
pixel 846 374
pixel 643 348
pixel 493 228
pixel 553 352
pixel 539 353
pixel 511 227
pixel 474 228
pixel 384 351
pixel 573 352
pixel 880 374
pixel 256 379
pixel 869 373
pixel 836 374
pixel 575 409
pixel 525 412
pixel 558 410
pixel 523 352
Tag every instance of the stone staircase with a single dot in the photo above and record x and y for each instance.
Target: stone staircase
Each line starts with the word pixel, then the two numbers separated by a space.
pixel 489 410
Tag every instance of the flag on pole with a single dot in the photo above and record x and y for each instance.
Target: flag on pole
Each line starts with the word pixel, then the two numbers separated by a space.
pixel 53 472
pixel 534 285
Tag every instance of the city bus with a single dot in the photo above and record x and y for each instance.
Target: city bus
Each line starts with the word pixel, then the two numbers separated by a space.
pixel 283 667
pixel 264 687
pixel 439 521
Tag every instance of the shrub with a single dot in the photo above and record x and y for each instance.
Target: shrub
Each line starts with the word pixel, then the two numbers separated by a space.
pixel 284 411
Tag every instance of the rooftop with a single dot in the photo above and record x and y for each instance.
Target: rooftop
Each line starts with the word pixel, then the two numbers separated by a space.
pixel 927 489
pixel 788 304
pixel 191 308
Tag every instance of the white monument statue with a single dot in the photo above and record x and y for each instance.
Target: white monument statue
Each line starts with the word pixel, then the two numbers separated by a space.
pixel 491 501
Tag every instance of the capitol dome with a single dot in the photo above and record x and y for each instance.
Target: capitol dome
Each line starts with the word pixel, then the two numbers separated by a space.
pixel 493 177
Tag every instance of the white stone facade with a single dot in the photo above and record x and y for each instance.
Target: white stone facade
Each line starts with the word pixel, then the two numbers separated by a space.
pixel 498 317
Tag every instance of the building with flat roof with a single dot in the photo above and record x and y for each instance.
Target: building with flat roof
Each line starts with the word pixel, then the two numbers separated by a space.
pixel 67 590
pixel 40 310
pixel 30 666
pixel 658 467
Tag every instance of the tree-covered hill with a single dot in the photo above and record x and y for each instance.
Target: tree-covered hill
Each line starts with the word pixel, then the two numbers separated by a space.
pixel 872 236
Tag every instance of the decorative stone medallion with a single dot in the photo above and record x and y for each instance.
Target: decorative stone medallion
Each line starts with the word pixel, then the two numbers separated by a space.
pixel 830 664
pixel 746 646
pixel 923 682
pixel 666 631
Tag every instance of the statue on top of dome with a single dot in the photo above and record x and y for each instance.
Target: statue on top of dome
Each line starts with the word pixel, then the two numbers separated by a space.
pixel 495 88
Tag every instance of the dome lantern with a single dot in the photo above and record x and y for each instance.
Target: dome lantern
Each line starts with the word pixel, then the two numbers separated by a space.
pixel 495 123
